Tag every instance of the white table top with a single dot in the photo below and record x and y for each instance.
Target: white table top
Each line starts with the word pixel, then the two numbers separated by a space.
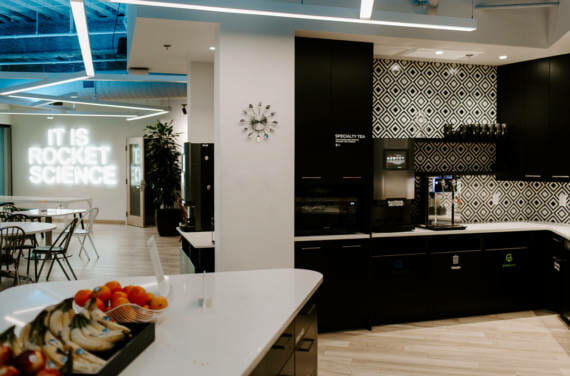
pixel 50 212
pixel 202 239
pixel 42 199
pixel 248 310
pixel 30 228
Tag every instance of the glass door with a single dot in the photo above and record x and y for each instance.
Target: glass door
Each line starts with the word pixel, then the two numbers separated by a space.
pixel 135 182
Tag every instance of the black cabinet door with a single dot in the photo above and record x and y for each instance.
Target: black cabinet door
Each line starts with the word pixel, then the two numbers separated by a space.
pixel 558 165
pixel 341 299
pixel 351 109
pixel 456 283
pixel 314 143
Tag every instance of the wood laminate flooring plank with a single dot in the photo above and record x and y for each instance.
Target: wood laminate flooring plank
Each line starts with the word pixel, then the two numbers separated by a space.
pixel 512 344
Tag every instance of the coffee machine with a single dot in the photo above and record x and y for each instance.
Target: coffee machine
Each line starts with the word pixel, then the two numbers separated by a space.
pixel 394 185
pixel 441 203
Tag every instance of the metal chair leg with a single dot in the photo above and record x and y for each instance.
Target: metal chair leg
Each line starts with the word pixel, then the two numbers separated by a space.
pixel 93 245
pixel 70 268
pixel 82 242
pixel 46 258
pixel 61 267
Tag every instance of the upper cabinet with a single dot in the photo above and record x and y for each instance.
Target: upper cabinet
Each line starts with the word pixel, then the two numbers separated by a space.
pixel 333 110
pixel 532 100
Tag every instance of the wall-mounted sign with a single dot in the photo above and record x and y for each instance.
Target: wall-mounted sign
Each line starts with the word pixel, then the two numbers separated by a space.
pixel 70 159
pixel 347 138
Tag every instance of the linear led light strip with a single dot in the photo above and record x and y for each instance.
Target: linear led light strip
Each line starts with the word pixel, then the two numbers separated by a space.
pixel 42 85
pixel 86 103
pixel 366 7
pixel 147 116
pixel 83 114
pixel 207 8
pixel 78 10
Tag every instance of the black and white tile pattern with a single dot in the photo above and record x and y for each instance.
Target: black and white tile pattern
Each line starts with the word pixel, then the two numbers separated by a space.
pixel 416 98
pixel 455 157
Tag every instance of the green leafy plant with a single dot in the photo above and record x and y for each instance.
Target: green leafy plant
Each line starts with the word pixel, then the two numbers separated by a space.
pixel 163 164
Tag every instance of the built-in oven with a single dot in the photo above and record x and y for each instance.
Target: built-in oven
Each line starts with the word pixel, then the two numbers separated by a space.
pixel 326 215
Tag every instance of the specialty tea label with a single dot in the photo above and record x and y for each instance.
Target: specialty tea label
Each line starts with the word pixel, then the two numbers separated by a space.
pixel 348 138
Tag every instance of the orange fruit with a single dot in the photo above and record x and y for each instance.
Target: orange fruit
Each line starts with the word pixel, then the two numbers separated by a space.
pixel 127 314
pixel 119 301
pixel 149 297
pixel 128 288
pixel 158 302
pixel 99 303
pixel 138 296
pixel 114 286
pixel 118 294
pixel 81 297
pixel 102 292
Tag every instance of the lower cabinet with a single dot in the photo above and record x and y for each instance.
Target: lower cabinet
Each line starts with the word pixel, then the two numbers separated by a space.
pixel 398 282
pixel 342 297
pixel 403 279
pixel 295 351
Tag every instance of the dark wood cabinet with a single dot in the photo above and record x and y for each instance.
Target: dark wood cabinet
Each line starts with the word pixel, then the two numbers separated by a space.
pixel 333 111
pixel 342 297
pixel 532 99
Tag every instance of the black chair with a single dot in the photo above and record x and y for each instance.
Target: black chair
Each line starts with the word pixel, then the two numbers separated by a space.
pixel 12 240
pixel 57 251
pixel 31 240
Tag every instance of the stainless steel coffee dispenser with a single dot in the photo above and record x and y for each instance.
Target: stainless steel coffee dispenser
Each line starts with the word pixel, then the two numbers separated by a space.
pixel 393 185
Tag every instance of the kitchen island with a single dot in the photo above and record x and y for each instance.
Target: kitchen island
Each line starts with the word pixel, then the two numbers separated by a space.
pixel 216 323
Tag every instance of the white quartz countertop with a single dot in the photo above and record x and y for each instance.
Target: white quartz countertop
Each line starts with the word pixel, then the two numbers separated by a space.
pixel 478 228
pixel 246 311
pixel 310 238
pixel 201 239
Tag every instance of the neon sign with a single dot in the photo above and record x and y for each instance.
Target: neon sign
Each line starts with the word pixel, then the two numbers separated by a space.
pixel 69 159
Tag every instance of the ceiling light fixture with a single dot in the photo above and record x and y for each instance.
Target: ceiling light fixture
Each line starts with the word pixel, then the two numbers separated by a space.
pixel 440 52
pixel 147 116
pixel 42 84
pixel 267 13
pixel 212 48
pixel 86 103
pixel 50 117
pixel 80 114
pixel 78 10
pixel 366 7
pixel 503 57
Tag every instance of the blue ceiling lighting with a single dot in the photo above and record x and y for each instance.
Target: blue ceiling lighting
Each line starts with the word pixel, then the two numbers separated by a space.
pixel 39 36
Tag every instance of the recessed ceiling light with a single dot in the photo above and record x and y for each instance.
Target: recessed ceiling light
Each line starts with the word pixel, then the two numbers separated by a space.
pixel 439 52
pixel 212 48
pixel 50 117
pixel 503 57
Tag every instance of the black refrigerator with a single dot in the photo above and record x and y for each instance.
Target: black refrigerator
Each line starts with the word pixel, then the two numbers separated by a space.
pixel 198 184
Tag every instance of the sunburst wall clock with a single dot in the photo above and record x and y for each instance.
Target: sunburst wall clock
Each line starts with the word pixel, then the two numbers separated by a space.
pixel 258 122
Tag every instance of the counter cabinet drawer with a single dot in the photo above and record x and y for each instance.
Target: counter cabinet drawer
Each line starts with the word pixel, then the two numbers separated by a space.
pixel 279 354
pixel 389 246
pixel 506 240
pixel 453 243
pixel 305 320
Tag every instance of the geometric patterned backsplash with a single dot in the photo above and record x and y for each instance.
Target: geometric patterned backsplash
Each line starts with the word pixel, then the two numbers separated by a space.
pixel 518 200
pixel 416 98
pixel 455 156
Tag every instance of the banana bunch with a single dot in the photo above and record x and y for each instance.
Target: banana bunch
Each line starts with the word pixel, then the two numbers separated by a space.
pixel 67 339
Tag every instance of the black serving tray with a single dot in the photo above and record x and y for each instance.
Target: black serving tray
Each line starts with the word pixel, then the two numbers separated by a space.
pixel 125 352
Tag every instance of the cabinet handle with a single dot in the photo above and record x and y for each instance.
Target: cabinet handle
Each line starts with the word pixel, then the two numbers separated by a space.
pixel 560 176
pixel 352 246
pixel 283 346
pixel 311 177
pixel 309 248
pixel 352 177
pixel 310 341
pixel 532 176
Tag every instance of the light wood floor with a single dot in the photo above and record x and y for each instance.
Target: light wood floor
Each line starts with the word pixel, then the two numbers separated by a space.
pixel 516 344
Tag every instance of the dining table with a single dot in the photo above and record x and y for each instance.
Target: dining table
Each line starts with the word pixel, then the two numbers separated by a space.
pixel 31 228
pixel 49 214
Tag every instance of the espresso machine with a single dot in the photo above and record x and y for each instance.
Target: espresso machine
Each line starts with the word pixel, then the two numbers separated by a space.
pixel 394 185
pixel 441 202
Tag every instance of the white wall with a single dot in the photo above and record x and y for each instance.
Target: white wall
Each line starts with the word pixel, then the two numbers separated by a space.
pixel 5 119
pixel 254 195
pixel 201 102
pixel 32 131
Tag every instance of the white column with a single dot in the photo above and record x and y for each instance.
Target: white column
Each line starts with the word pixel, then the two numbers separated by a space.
pixel 200 102
pixel 254 182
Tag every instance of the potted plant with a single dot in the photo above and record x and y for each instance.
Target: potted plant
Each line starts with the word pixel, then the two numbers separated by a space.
pixel 162 159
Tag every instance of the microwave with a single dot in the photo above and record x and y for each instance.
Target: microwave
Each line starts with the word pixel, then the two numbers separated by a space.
pixel 325 216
